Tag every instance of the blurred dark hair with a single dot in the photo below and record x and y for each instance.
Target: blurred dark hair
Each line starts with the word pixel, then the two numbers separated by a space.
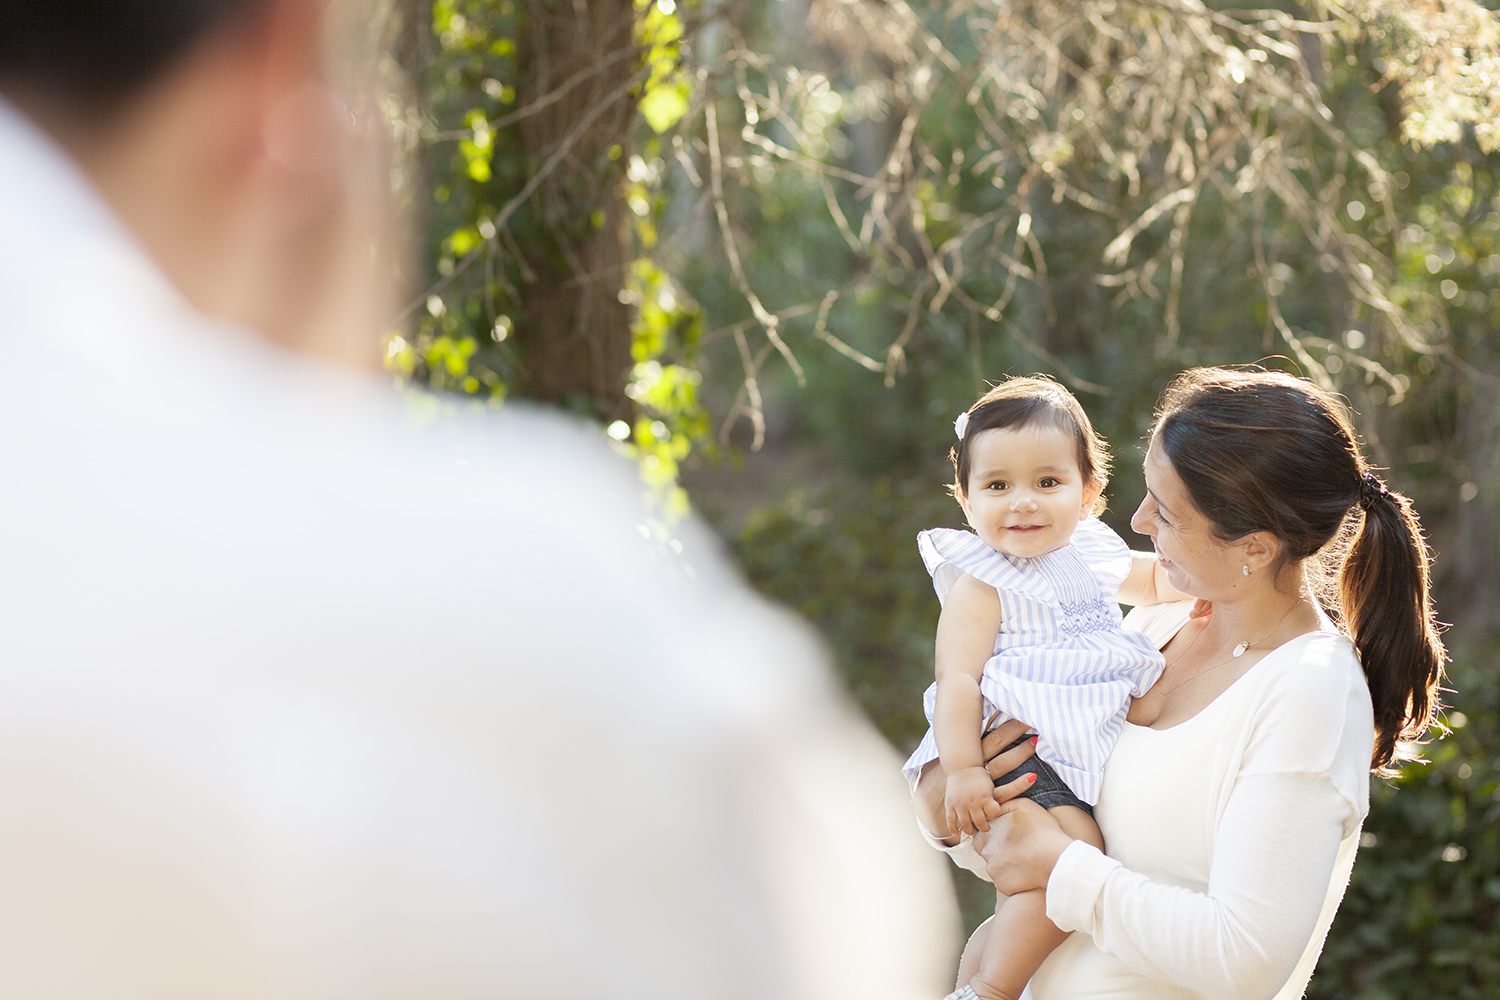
pixel 1266 451
pixel 1025 402
pixel 91 56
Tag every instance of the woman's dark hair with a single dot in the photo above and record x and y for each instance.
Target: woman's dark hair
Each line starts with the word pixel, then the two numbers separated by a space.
pixel 1266 451
pixel 1026 402
pixel 91 56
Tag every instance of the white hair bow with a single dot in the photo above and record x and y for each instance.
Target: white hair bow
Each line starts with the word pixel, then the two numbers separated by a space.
pixel 961 424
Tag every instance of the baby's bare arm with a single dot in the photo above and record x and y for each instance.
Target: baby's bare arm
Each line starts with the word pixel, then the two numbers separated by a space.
pixel 965 639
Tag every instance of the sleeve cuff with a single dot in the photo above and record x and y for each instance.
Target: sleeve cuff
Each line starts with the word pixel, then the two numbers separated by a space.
pixel 1075 885
pixel 962 853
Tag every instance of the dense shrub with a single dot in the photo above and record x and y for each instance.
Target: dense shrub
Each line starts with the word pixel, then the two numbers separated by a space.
pixel 1419 918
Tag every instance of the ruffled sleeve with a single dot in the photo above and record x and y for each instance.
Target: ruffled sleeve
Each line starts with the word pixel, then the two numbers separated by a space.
pixel 948 553
pixel 1105 552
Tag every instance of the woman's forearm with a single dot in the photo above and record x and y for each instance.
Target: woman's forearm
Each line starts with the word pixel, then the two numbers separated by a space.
pixel 927 800
pixel 1273 862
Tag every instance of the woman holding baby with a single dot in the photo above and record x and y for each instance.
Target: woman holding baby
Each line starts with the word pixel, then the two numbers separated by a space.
pixel 1230 806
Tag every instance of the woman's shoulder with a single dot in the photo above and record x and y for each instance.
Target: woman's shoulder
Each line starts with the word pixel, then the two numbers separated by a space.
pixel 1159 622
pixel 1321 661
pixel 1310 711
pixel 1308 678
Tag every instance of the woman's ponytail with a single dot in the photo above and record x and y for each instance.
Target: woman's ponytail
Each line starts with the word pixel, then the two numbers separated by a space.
pixel 1387 610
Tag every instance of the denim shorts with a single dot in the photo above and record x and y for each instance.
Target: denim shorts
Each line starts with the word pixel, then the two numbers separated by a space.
pixel 1048 790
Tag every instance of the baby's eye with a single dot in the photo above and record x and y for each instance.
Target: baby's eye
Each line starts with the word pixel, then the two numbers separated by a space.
pixel 1048 483
pixel 998 484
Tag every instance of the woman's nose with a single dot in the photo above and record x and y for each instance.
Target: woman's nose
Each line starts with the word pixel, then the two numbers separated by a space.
pixel 1140 522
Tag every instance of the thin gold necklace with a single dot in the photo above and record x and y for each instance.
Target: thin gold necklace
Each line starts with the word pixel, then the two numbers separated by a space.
pixel 1236 653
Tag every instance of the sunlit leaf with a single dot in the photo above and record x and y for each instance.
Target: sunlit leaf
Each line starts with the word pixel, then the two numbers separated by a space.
pixel 663 106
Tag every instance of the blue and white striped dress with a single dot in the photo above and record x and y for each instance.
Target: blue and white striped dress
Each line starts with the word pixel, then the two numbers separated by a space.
pixel 1061 662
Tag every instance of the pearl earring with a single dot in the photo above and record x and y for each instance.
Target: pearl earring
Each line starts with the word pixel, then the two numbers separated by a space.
pixel 1245 570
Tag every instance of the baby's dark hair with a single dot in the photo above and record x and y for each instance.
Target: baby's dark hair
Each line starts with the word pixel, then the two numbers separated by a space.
pixel 1029 402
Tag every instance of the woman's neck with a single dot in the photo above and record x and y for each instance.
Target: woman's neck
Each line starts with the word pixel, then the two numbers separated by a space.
pixel 1265 615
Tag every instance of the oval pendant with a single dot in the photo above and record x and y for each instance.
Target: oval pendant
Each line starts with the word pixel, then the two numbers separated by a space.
pixel 1240 649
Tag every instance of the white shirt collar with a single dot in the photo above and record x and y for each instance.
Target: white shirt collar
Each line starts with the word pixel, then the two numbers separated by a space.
pixel 63 249
pixel 37 173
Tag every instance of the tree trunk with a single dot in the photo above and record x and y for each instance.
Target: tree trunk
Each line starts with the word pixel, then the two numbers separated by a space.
pixel 574 341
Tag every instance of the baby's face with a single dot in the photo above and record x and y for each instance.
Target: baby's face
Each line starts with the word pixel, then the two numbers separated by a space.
pixel 1026 494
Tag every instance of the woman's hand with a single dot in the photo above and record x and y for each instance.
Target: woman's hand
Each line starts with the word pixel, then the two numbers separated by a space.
pixel 932 786
pixel 1022 847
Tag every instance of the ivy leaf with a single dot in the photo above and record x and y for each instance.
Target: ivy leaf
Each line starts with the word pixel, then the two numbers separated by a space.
pixel 665 104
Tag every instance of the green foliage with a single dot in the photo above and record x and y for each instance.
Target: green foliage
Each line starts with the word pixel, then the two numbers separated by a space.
pixel 1420 915
pixel 1417 361
pixel 1444 59
pixel 673 418
pixel 484 205
pixel 665 94
pixel 842 234
pixel 846 558
pixel 457 341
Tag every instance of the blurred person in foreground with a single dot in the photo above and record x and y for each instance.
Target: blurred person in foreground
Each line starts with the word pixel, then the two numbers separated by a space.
pixel 300 700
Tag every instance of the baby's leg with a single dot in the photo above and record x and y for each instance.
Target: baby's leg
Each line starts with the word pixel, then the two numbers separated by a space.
pixel 1078 824
pixel 1020 936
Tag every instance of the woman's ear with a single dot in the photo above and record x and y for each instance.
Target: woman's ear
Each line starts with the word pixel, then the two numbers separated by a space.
pixel 1259 550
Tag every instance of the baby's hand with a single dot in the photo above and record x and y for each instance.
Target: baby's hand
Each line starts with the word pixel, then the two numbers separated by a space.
pixel 969 800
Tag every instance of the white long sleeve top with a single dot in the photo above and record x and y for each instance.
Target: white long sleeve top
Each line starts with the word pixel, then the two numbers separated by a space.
pixel 1230 837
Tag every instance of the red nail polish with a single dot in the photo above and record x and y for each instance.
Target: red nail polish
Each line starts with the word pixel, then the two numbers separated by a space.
pixel 1030 778
pixel 1034 739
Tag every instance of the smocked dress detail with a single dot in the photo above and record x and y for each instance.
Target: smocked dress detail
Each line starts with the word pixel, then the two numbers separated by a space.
pixel 1061 661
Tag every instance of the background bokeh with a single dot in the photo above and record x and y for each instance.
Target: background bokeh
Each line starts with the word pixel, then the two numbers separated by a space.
pixel 774 246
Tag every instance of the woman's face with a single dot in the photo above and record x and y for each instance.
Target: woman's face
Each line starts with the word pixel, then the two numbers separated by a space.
pixel 1196 560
